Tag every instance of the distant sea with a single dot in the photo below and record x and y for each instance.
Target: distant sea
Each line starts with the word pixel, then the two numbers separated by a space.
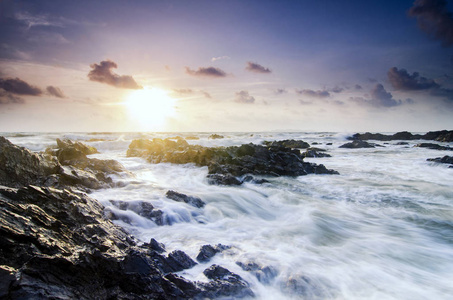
pixel 382 229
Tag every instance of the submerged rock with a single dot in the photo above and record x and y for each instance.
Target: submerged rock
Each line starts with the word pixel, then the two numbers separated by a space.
pixel 207 252
pixel 225 283
pixel 216 136
pixel 194 201
pixel 433 146
pixel 226 162
pixel 443 160
pixel 357 144
pixel 315 152
pixel 264 274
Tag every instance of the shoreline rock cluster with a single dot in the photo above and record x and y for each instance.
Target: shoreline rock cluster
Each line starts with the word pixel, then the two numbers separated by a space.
pixel 226 164
pixel 57 243
pixel 440 136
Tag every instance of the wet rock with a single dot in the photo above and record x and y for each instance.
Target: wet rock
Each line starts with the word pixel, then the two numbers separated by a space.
pixel 223 179
pixel 357 144
pixel 288 144
pixel 228 161
pixel 433 146
pixel 56 244
pixel 207 252
pixel 215 136
pixel 263 274
pixel 194 201
pixel 249 178
pixel 155 245
pixel 224 283
pixel 402 143
pixel 141 208
pixel 443 160
pixel 179 261
pixel 441 136
pixel 315 152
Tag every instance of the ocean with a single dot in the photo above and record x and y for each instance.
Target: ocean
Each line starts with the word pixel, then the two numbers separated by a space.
pixel 381 229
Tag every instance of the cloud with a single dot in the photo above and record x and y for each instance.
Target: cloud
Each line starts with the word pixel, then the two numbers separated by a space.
pixel 220 58
pixel 54 91
pixel 402 80
pixel 6 98
pixel 434 19
pixel 103 73
pixel 244 97
pixel 358 87
pixel 280 91
pixel 19 87
pixel 337 89
pixel 36 20
pixel 379 98
pixel 314 94
pixel 207 95
pixel 257 68
pixel 206 72
pixel 183 91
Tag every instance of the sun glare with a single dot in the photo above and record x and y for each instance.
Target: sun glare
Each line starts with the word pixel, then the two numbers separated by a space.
pixel 151 108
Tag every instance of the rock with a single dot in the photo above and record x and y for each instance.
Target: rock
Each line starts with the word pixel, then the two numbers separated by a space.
pixel 141 208
pixel 56 244
pixel 250 178
pixel 357 144
pixel 223 179
pixel 156 246
pixel 228 161
pixel 207 252
pixel 180 261
pixel 433 146
pixel 224 283
pixel 263 274
pixel 315 152
pixel 194 201
pixel 444 160
pixel 441 136
pixel 191 137
pixel 215 136
pixel 288 144
pixel 20 167
pixel 402 143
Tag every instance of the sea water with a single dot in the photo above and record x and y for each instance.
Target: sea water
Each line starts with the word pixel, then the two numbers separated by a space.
pixel 382 229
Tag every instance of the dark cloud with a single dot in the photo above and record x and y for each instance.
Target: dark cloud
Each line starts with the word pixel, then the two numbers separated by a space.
pixel 402 80
pixel 434 19
pixel 314 94
pixel 184 91
pixel 244 97
pixel 379 97
pixel 103 73
pixel 257 68
pixel 358 87
pixel 19 87
pixel 54 91
pixel 206 72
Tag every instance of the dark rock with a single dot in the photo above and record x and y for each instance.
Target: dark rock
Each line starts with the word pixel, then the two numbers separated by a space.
pixel 207 252
pixel 221 179
pixel 357 144
pixel 252 159
pixel 433 146
pixel 56 244
pixel 224 283
pixel 402 143
pixel 216 136
pixel 288 144
pixel 315 152
pixel 194 201
pixel 179 261
pixel 155 245
pixel 250 178
pixel 441 136
pixel 263 274
pixel 141 208
pixel 444 160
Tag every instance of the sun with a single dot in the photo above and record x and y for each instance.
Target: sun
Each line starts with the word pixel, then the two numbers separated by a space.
pixel 151 108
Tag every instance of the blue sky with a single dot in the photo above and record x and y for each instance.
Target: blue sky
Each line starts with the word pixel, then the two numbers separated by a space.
pixel 226 65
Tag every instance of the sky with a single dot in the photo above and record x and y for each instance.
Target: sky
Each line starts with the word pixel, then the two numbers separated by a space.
pixel 226 65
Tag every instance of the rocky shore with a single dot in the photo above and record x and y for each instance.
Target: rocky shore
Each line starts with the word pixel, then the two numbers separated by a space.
pixel 225 164
pixel 56 242
pixel 440 136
